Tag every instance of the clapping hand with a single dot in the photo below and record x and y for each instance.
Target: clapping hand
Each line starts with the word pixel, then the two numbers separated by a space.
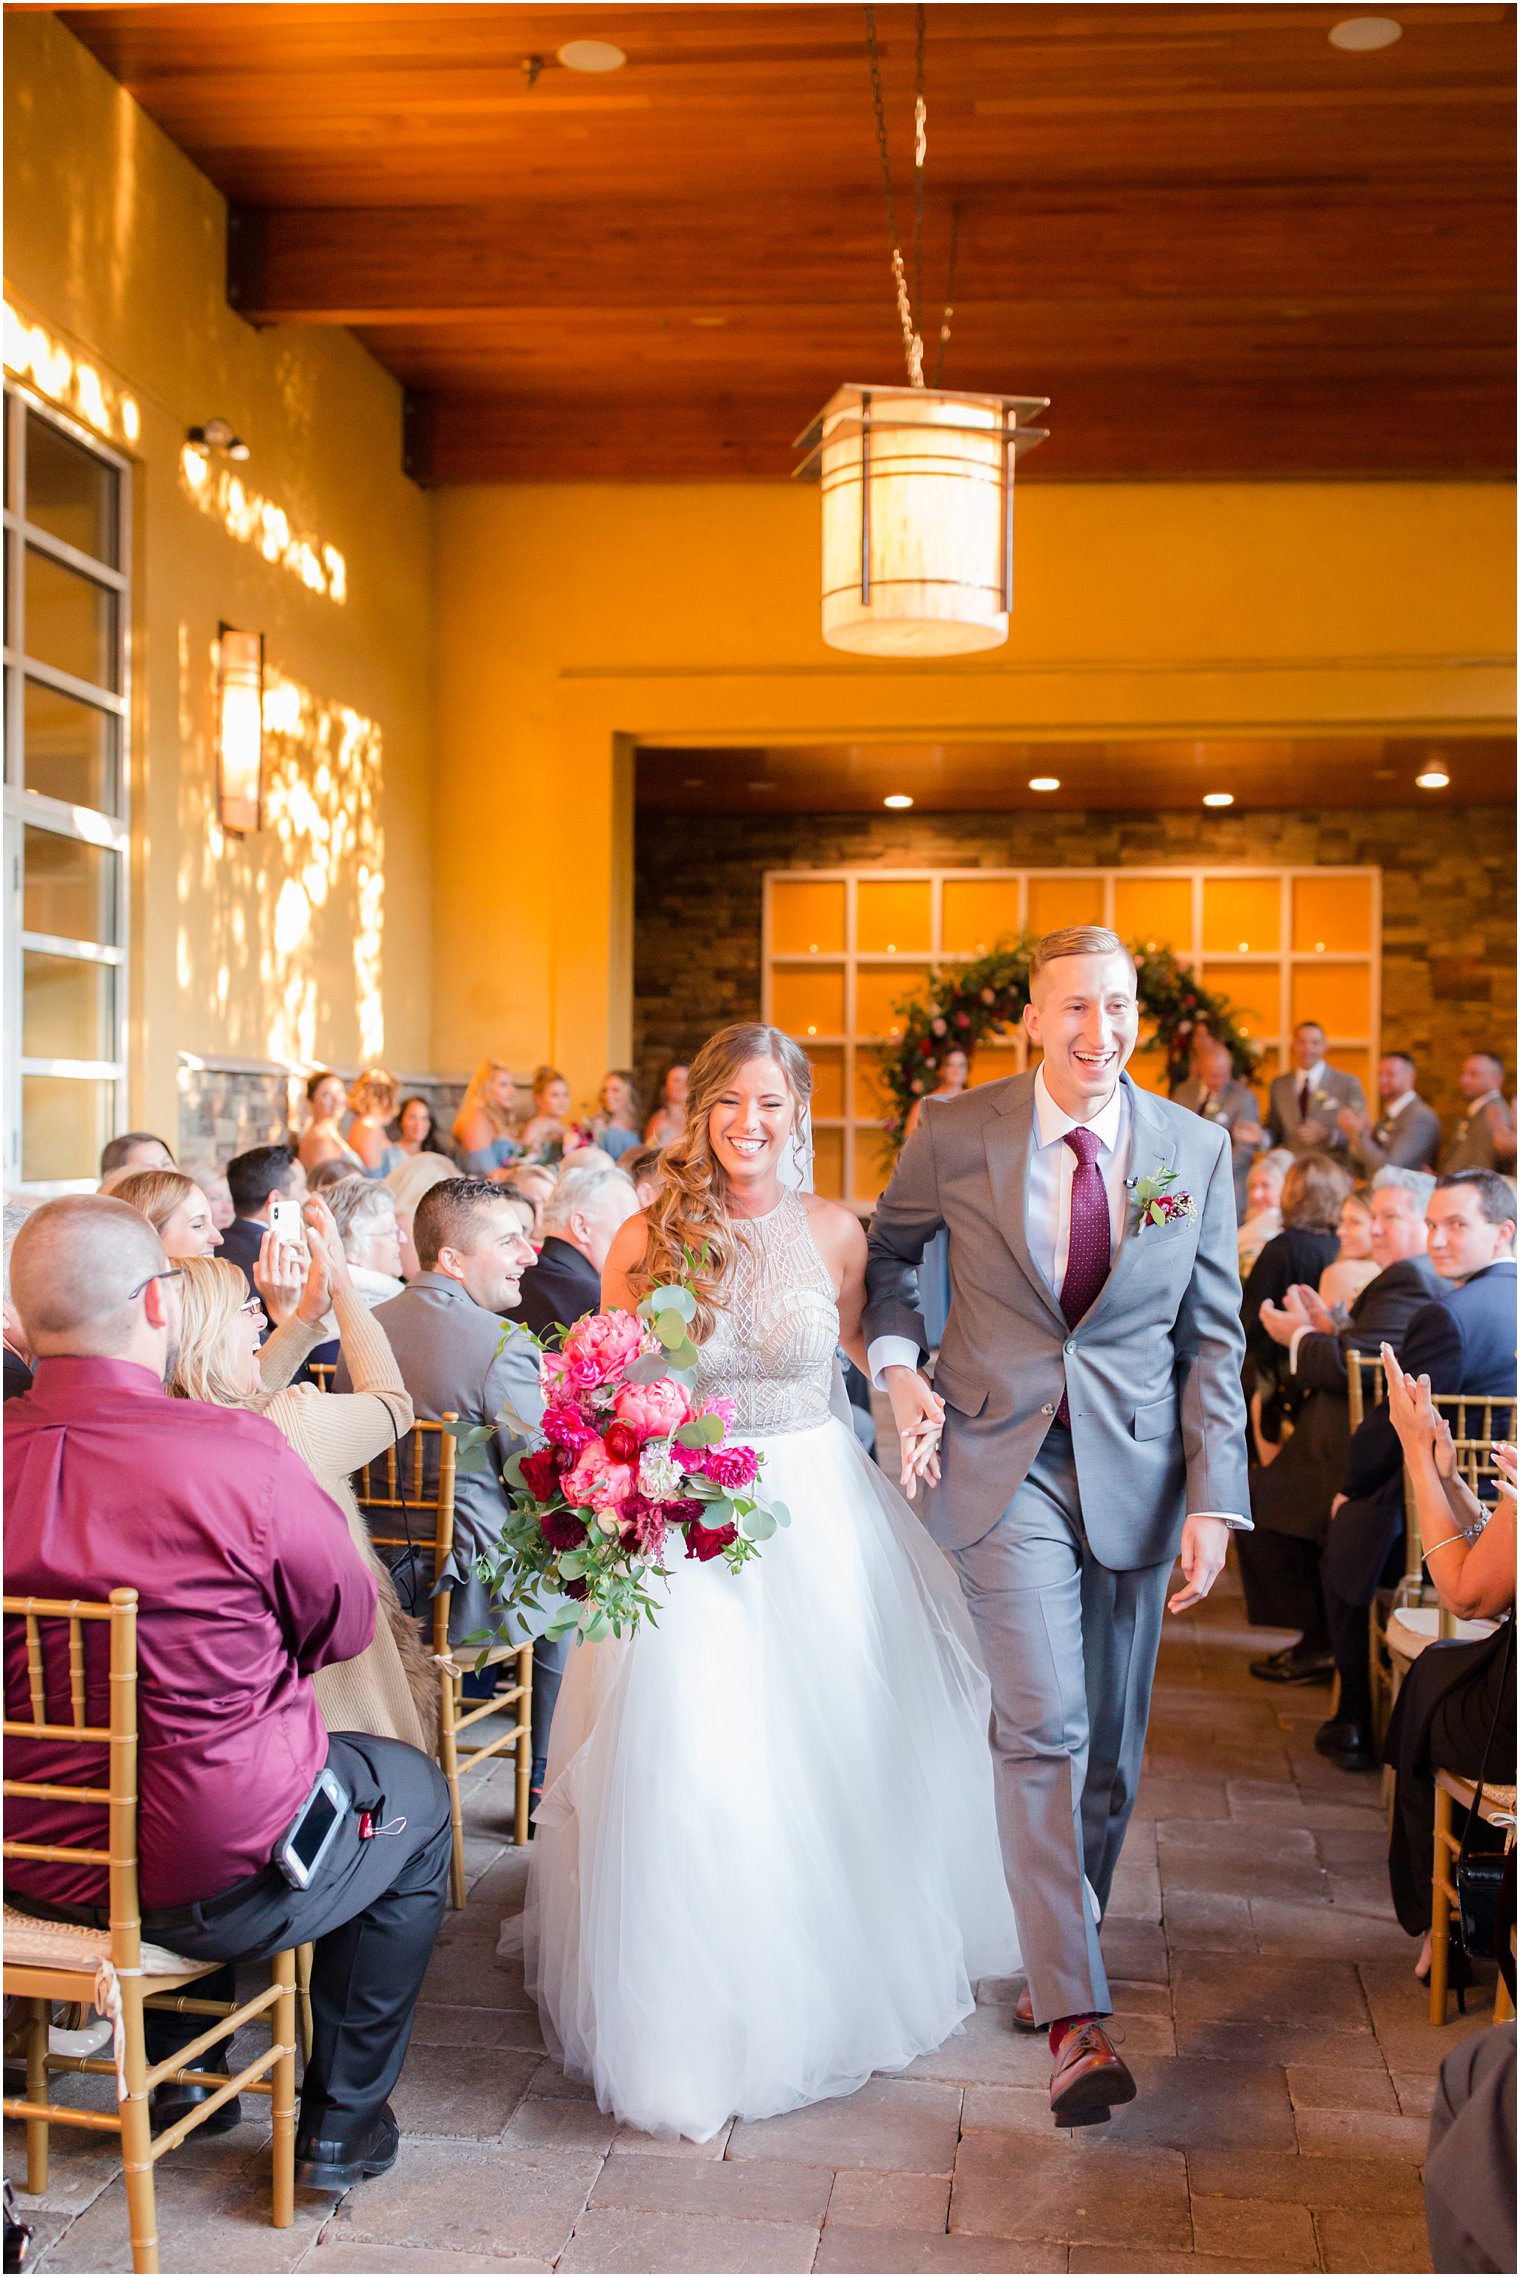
pixel 1414 1416
pixel 1351 1124
pixel 1301 1308
pixel 1313 1132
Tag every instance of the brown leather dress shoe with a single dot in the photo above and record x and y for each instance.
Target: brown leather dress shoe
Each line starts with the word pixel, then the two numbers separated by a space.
pixel 1089 2078
pixel 1023 2012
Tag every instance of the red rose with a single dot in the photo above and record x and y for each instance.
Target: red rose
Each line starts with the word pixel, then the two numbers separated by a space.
pixel 540 1474
pixel 705 1542
pixel 577 1590
pixel 562 1530
pixel 622 1442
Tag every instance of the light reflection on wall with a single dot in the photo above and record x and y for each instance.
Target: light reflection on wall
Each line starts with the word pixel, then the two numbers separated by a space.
pixel 286 927
pixel 258 522
pixel 70 381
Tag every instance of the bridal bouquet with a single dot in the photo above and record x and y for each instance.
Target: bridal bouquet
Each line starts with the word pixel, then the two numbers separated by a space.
pixel 627 1468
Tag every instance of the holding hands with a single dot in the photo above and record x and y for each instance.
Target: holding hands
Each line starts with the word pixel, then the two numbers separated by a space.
pixel 919 1415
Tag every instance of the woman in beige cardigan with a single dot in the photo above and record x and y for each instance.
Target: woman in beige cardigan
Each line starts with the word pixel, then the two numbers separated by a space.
pixel 391 1689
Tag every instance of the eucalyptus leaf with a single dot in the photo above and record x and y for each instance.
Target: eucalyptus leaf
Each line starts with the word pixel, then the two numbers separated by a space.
pixel 672 1297
pixel 781 1514
pixel 701 1431
pixel 670 1329
pixel 508 1415
pixel 597 1626
pixel 573 1563
pixel 760 1525
pixel 652 1368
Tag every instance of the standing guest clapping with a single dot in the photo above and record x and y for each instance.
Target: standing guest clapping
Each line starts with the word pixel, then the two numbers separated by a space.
pixel 1214 1091
pixel 1406 1135
pixel 1485 1137
pixel 483 1128
pixel 1305 1103
pixel 175 1207
pixel 248 1583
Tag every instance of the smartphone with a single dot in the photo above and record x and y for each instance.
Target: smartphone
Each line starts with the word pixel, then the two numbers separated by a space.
pixel 285 1218
pixel 312 1831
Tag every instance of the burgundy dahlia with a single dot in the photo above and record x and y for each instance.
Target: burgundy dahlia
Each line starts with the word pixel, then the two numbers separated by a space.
pixel 562 1530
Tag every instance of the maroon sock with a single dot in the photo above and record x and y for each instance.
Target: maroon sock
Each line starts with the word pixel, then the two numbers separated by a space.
pixel 1063 2025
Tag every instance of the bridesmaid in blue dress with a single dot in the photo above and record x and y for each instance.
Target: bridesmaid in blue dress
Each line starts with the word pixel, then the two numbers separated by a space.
pixel 483 1132
pixel 952 1077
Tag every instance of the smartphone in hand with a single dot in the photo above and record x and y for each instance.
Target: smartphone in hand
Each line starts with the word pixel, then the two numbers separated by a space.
pixel 285 1219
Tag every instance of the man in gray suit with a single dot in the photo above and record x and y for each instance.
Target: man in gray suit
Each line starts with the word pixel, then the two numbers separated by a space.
pixel 1214 1091
pixel 1407 1134
pixel 1485 1137
pixel 1303 1104
pixel 458 1356
pixel 1088 1386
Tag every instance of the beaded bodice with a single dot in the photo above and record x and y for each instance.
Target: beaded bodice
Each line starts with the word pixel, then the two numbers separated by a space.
pixel 772 1349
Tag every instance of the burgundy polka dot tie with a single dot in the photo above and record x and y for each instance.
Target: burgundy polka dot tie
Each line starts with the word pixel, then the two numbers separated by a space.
pixel 1092 1234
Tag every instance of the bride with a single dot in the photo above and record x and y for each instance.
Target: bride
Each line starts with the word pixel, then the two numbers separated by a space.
pixel 766 1861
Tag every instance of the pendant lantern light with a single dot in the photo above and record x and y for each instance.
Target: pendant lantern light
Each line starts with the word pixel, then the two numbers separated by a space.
pixel 917 482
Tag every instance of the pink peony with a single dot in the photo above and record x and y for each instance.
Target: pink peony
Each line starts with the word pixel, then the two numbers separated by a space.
pixel 566 1429
pixel 729 1467
pixel 600 1347
pixel 723 1408
pixel 653 1410
pixel 596 1479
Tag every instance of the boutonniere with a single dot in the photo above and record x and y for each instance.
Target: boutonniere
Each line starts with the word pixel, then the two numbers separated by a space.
pixel 1155 1202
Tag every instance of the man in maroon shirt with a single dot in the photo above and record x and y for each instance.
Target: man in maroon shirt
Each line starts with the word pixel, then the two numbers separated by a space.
pixel 247 1582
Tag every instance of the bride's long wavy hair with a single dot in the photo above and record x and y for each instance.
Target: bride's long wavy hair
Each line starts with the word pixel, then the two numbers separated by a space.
pixel 689 1216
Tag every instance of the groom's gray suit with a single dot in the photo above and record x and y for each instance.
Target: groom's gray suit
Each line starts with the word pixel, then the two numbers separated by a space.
pixel 1064 1538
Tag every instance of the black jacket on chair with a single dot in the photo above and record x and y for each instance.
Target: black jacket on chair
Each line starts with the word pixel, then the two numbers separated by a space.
pixel 1465 1343
pixel 560 1288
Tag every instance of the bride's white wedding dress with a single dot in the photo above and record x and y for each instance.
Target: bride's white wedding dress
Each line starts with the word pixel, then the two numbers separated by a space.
pixel 766 1862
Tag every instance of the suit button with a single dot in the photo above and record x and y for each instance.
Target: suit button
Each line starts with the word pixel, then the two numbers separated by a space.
pixel 1071 1347
pixel 1049 1408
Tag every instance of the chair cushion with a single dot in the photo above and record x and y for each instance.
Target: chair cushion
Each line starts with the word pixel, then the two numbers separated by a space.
pixel 33 1944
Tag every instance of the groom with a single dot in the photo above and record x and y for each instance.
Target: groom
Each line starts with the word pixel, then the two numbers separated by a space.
pixel 1093 1427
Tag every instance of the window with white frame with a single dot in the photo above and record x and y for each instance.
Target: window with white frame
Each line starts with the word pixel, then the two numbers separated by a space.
pixel 67 620
pixel 842 948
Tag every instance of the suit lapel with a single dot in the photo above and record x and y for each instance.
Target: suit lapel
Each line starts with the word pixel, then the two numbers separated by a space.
pixel 1008 1137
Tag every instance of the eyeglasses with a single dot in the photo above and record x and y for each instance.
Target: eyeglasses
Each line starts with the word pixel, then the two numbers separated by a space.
pixel 170 1273
pixel 253 1305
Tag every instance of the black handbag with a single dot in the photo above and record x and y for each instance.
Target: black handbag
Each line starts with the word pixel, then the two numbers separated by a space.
pixel 1483 1922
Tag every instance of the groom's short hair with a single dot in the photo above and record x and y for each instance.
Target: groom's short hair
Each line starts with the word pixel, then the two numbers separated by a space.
pixel 1076 941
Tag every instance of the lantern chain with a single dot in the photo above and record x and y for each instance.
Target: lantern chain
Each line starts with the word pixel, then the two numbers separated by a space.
pixel 913 347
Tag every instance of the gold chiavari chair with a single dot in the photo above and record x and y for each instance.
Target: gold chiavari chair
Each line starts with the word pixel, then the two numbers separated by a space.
pixel 1497 1809
pixel 417 1476
pixel 321 1373
pixel 48 1961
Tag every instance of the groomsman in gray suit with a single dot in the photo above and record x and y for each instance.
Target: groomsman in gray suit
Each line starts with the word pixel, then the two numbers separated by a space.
pixel 1303 1104
pixel 1407 1134
pixel 1214 1091
pixel 1088 1395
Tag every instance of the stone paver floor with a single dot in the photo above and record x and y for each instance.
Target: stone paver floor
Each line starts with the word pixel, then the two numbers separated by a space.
pixel 1264 1996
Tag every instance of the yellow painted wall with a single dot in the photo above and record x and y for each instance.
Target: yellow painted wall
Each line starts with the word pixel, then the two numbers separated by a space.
pixel 572 616
pixel 310 940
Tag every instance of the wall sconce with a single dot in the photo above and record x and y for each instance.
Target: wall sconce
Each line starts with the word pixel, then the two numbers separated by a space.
pixel 217 435
pixel 240 730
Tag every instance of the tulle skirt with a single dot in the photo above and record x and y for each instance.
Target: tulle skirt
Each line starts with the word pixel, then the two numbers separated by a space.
pixel 766 1862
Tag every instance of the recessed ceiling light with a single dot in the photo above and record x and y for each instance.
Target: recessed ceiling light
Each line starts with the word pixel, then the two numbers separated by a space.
pixel 897 799
pixel 1360 35
pixel 1219 798
pixel 1044 782
pixel 597 55
pixel 1433 779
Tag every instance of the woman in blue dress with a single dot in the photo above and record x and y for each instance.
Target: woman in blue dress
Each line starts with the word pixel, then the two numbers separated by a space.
pixel 483 1131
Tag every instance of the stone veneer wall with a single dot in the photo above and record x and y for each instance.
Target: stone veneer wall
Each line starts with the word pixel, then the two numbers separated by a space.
pixel 1448 903
pixel 225 1110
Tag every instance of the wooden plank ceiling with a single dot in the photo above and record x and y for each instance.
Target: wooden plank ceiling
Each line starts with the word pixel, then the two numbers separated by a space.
pixel 1138 777
pixel 1220 244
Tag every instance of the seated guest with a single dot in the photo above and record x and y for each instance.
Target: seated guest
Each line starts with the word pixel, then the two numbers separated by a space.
pixel 333 1172
pixel 365 1216
pixel 546 1129
pixel 581 1217
pixel 406 1186
pixel 1291 1496
pixel 642 1165
pixel 532 1182
pixel 390 1689
pixel 1304 1103
pixel 1312 1194
pixel 372 1103
pixel 18 1353
pixel 248 1584
pixel 415 1131
pixel 1263 1218
pixel 458 1357
pixel 254 1179
pixel 1353 1265
pixel 1470 2160
pixel 135 1150
pixel 616 1122
pixel 1214 1091
pixel 668 1121
pixel 1406 1134
pixel 1465 1343
pixel 1456 1694
pixel 213 1184
pixel 1485 1137
pixel 326 1107
pixel 175 1207
pixel 484 1132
